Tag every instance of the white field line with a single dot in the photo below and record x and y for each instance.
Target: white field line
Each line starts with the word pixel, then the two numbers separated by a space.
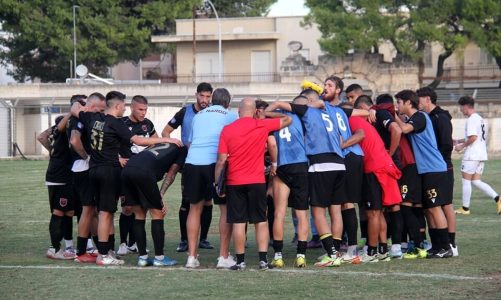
pixel 285 271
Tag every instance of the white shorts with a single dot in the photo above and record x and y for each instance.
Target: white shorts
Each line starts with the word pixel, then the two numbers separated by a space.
pixel 472 167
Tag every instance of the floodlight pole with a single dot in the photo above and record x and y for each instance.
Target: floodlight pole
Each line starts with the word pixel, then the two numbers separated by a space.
pixel 74 40
pixel 220 58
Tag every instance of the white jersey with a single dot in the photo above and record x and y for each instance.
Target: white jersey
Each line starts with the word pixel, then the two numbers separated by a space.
pixel 475 125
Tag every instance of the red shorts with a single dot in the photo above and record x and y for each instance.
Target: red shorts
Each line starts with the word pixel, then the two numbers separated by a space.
pixel 387 178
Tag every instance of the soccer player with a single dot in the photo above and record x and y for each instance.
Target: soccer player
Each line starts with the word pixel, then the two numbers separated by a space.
pixel 184 119
pixel 199 171
pixel 475 155
pixel 353 91
pixel 290 188
pixel 441 120
pixel 106 132
pixel 58 182
pixel 430 165
pixel 242 144
pixel 81 149
pixel 353 160
pixel 139 178
pixel 326 172
pixel 380 186
pixel 138 124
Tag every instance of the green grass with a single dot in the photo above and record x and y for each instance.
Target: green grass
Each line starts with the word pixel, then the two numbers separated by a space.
pixel 25 273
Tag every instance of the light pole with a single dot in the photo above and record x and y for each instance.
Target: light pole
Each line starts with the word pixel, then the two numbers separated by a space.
pixel 219 38
pixel 74 41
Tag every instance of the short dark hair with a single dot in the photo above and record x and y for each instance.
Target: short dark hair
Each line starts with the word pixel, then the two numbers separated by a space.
pixel 261 104
pixel 408 95
pixel 222 97
pixel 467 100
pixel 112 96
pixel 78 98
pixel 384 98
pixel 353 87
pixel 338 81
pixel 204 87
pixel 299 97
pixel 363 99
pixel 308 92
pixel 427 92
pixel 140 99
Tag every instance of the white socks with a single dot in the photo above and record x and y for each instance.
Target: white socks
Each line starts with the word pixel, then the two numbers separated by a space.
pixel 485 188
pixel 466 192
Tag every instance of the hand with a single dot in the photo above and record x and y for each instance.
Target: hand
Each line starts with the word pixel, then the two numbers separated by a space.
pixel 372 116
pixel 174 141
pixel 165 209
pixel 123 161
pixel 459 147
pixel 273 170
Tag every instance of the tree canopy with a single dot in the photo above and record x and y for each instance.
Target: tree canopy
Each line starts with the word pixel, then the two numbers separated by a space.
pixel 39 33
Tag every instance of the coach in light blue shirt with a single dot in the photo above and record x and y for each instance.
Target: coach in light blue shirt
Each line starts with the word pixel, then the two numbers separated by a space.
pixel 199 171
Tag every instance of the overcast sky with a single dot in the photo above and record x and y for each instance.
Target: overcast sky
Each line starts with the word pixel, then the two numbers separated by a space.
pixel 288 8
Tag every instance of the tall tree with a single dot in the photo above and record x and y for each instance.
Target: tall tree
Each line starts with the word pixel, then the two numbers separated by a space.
pixel 243 8
pixel 363 25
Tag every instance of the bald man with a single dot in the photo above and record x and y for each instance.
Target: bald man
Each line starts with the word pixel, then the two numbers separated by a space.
pixel 242 145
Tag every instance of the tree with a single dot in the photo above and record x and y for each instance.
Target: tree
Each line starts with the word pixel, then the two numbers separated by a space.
pixel 363 25
pixel 245 8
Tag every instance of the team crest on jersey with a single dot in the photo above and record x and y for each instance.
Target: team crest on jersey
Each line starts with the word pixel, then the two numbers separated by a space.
pixel 172 121
pixel 80 125
pixel 403 196
pixel 63 202
pixel 144 127
pixel 433 200
pixel 130 128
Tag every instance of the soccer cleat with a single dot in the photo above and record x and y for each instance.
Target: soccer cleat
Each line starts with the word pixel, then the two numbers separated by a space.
pixel 366 258
pixel 182 247
pixel 92 251
pixel 85 258
pixel 396 253
pixel 461 211
pixel 425 245
pixel 108 260
pixel 192 262
pixel 264 265
pixel 455 250
pixel 144 262
pixel 442 253
pixel 329 262
pixel 383 256
pixel 165 262
pixel 312 244
pixel 415 253
pixel 238 267
pixel 361 243
pixel 278 263
pixel 133 248
pixel 300 262
pixel 60 254
pixel 205 244
pixel 123 249
pixel 225 263
pixel 350 259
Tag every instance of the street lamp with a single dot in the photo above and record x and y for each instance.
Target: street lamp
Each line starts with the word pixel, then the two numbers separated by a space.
pixel 208 2
pixel 74 41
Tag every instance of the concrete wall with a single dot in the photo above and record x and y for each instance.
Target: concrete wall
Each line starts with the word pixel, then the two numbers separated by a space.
pixel 228 25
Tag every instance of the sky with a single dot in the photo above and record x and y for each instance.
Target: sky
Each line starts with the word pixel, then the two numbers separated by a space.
pixel 288 8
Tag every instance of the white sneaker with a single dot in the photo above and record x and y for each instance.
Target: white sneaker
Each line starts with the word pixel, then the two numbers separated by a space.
pixel 123 249
pixel 61 254
pixel 108 260
pixel 455 251
pixel 225 263
pixel 192 262
pixel 133 248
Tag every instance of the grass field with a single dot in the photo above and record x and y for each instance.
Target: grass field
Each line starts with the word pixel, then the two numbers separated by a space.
pixel 25 273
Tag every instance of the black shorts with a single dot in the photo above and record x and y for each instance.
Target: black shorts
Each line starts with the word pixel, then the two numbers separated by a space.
pixel 105 185
pixel 246 203
pixel 82 189
pixel 295 176
pixel 372 195
pixel 354 177
pixel 327 188
pixel 61 197
pixel 410 185
pixel 140 188
pixel 200 183
pixel 448 187
pixel 433 189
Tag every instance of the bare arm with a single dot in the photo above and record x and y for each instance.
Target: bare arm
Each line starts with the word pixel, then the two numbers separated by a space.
pixel 43 138
pixel 470 140
pixel 357 136
pixel 278 105
pixel 61 127
pixel 144 141
pixel 167 130
pixel 405 127
pixel 169 178
pixel 396 134
pixel 76 108
pixel 273 151
pixel 76 144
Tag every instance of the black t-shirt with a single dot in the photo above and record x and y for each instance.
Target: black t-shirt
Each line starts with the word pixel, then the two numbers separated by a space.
pixel 383 121
pixel 60 162
pixel 75 124
pixel 178 118
pixel 158 158
pixel 105 134
pixel 418 122
pixel 442 126
pixel 144 128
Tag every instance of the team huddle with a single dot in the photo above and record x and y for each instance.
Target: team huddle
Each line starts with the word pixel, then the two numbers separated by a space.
pixel 314 154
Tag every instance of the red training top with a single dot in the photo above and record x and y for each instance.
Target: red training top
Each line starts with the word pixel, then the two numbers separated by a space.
pixel 244 141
